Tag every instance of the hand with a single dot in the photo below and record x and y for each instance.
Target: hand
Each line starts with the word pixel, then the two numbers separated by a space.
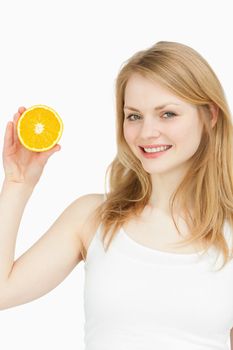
pixel 20 164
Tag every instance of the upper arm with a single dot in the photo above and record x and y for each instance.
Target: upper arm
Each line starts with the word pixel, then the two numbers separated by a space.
pixel 47 263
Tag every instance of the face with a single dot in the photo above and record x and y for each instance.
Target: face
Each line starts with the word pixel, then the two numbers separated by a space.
pixel 177 123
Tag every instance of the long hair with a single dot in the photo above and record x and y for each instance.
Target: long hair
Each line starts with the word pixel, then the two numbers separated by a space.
pixel 208 183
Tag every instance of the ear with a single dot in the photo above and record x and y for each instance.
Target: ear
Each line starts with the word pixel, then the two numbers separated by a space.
pixel 214 110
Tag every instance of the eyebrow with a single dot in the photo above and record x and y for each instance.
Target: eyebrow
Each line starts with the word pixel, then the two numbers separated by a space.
pixel 156 108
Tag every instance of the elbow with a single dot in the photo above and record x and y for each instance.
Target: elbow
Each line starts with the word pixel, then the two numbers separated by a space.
pixel 2 301
pixel 4 304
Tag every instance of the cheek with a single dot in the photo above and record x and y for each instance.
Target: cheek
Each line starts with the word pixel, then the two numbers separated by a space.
pixel 189 137
pixel 129 134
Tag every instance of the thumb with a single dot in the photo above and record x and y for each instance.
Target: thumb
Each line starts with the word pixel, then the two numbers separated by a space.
pixel 56 148
pixel 45 155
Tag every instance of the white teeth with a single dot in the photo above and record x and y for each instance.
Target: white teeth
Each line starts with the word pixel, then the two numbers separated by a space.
pixel 157 149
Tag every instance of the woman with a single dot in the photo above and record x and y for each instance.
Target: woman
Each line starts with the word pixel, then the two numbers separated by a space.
pixel 167 218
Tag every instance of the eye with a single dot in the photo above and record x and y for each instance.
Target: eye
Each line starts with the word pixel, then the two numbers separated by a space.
pixel 171 113
pixel 129 116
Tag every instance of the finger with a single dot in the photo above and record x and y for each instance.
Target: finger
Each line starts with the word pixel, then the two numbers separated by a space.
pixel 18 114
pixel 15 135
pixel 8 138
pixel 44 156
pixel 21 109
pixel 56 148
pixel 16 117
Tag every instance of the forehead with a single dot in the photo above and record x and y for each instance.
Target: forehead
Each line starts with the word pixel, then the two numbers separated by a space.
pixel 141 89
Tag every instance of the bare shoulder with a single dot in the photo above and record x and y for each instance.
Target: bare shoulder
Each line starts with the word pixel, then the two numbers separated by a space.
pixel 85 207
pixel 87 203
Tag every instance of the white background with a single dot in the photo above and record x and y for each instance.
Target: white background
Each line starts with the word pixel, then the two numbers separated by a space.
pixel 67 54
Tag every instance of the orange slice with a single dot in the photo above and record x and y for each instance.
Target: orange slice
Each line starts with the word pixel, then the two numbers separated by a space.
pixel 39 128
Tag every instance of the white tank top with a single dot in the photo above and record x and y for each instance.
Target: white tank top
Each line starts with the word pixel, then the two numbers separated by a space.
pixel 139 298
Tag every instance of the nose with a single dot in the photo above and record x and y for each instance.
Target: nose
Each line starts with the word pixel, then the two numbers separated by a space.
pixel 150 128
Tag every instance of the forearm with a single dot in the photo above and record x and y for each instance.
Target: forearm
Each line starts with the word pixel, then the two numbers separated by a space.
pixel 13 199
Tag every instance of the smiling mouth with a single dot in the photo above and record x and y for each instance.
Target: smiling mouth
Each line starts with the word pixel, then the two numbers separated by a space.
pixel 170 146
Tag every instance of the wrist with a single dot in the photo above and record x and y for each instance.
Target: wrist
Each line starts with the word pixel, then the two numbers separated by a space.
pixel 16 186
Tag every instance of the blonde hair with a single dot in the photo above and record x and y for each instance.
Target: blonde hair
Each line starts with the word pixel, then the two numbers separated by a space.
pixel 208 183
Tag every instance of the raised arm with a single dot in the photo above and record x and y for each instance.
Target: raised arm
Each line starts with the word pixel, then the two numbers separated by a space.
pixel 50 260
pixel 58 251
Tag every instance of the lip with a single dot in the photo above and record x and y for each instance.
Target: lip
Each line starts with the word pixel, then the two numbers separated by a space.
pixel 153 146
pixel 153 155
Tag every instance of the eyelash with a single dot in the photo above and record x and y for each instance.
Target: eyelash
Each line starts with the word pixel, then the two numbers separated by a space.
pixel 130 115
